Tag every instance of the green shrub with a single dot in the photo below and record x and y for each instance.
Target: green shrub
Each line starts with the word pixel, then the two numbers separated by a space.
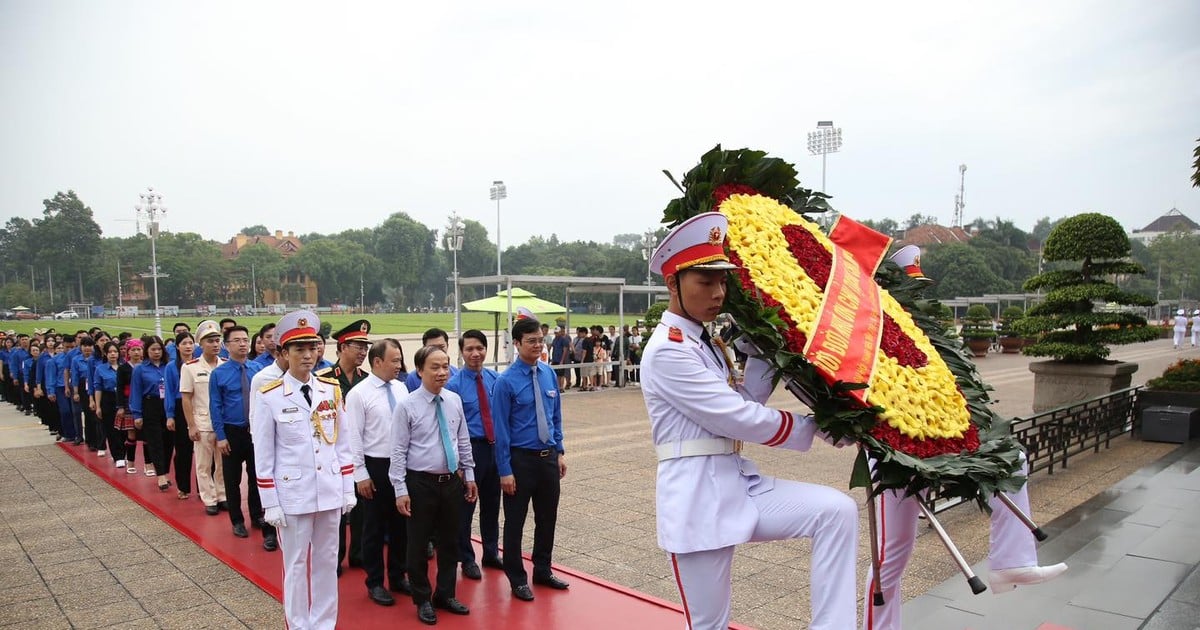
pixel 1008 317
pixel 1182 376
pixel 977 324
pixel 654 315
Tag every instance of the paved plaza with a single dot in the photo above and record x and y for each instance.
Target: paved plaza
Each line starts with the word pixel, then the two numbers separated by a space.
pixel 75 552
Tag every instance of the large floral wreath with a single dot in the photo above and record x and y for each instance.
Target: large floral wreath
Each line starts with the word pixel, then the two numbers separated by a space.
pixel 922 413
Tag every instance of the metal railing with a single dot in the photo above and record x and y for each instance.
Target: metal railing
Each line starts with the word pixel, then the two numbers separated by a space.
pixel 1052 437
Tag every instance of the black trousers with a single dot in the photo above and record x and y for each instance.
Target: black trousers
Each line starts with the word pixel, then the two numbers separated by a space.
pixel 108 421
pixel 537 483
pixel 354 522
pixel 381 518
pixel 154 423
pixel 93 432
pixel 488 481
pixel 184 448
pixel 435 500
pixel 241 452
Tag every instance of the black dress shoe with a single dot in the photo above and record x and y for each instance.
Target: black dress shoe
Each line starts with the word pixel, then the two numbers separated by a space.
pixel 523 593
pixel 211 510
pixel 470 570
pixel 552 581
pixel 258 523
pixel 452 605
pixel 380 596
pixel 425 613
pixel 239 530
pixel 403 586
pixel 223 506
pixel 270 543
pixel 493 563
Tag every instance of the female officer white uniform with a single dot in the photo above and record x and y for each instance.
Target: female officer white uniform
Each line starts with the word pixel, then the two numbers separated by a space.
pixel 709 497
pixel 305 475
pixel 1181 323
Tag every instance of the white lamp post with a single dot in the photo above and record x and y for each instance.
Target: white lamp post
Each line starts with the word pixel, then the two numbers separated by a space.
pixel 454 243
pixel 498 192
pixel 960 198
pixel 648 244
pixel 825 140
pixel 152 206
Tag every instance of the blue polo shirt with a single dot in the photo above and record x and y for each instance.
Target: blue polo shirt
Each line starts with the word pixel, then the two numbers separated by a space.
pixel 515 416
pixel 149 381
pixel 464 384
pixel 81 370
pixel 104 379
pixel 62 363
pixel 16 360
pixel 43 372
pixel 559 347
pixel 225 395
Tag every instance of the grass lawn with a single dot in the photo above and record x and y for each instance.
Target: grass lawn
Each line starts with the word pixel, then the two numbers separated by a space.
pixel 392 323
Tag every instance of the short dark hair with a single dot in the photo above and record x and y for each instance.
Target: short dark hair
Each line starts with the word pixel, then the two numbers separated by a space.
pixel 267 327
pixel 87 341
pixel 183 335
pixel 581 329
pixel 229 320
pixel 232 329
pixel 472 334
pixel 111 344
pixel 432 333
pixel 524 327
pixel 379 348
pixel 125 334
pixel 424 353
pixel 184 324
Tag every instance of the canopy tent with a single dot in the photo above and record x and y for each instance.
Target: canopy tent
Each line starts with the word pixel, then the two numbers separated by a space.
pixel 508 302
pixel 20 308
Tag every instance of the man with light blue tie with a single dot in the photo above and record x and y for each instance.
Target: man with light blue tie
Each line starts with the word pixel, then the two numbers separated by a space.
pixel 431 463
pixel 530 458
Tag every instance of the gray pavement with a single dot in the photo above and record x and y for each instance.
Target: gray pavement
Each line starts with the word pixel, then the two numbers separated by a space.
pixel 65 532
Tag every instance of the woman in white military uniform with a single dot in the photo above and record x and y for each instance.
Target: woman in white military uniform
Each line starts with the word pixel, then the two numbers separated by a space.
pixel 709 497
pixel 1181 324
pixel 1012 550
pixel 305 473
pixel 1195 327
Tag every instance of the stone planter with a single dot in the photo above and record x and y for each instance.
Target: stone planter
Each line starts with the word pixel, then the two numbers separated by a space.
pixel 1011 345
pixel 979 347
pixel 1056 383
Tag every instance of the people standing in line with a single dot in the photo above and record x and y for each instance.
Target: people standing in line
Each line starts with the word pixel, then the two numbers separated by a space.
pixel 229 408
pixel 103 387
pixel 352 345
pixel 474 384
pixel 45 400
pixel 147 403
pixel 133 358
pixel 16 362
pixel 709 498
pixel 172 352
pixel 432 471
pixel 304 469
pixel 71 426
pixel 80 371
pixel 369 409
pixel 266 354
pixel 179 437
pixel 33 364
pixel 193 389
pixel 1181 324
pixel 530 459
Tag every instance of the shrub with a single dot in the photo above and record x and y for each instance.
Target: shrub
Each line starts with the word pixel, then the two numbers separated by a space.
pixel 1182 376
pixel 654 315
pixel 1008 317
pixel 977 323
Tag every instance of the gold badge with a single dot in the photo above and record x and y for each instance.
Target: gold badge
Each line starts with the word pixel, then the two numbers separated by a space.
pixel 365 327
pixel 714 236
pixel 302 322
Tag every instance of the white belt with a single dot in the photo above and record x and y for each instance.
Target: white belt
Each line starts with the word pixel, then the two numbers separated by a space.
pixel 696 448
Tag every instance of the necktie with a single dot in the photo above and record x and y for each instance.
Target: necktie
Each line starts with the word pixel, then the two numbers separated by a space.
pixel 543 426
pixel 707 339
pixel 307 391
pixel 485 409
pixel 245 394
pixel 387 387
pixel 444 429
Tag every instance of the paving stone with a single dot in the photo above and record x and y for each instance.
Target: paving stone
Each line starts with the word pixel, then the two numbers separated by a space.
pixel 150 586
pixel 32 613
pixel 1134 587
pixel 107 615
pixel 1175 615
pixel 174 601
pixel 76 583
pixel 17 595
pixel 68 569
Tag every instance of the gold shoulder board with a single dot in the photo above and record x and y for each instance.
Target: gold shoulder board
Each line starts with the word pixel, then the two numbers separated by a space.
pixel 272 385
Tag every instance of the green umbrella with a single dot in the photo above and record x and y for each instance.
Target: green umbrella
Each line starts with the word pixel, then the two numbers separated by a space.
pixel 499 304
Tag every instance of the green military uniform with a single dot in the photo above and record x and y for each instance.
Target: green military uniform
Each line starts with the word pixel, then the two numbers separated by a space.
pixel 354 332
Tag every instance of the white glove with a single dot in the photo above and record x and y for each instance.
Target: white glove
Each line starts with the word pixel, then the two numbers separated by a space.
pixel 745 346
pixel 274 517
pixel 828 439
pixel 351 501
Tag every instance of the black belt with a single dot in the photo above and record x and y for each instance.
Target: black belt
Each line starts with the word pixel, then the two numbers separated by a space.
pixel 434 477
pixel 536 453
pixel 481 441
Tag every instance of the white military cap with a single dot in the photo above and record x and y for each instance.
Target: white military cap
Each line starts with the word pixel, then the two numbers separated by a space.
pixel 207 328
pixel 698 243
pixel 298 326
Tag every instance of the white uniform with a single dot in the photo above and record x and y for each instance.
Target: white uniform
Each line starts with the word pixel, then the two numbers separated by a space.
pixel 300 472
pixel 210 478
pixel 708 503
pixel 1195 329
pixel 1181 323
pixel 1011 545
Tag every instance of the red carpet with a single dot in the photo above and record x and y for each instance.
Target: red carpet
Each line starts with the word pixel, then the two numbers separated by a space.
pixel 590 602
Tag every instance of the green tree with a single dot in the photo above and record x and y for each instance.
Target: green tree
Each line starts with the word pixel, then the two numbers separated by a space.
pixel 69 226
pixel 918 219
pixel 196 269
pixel 961 270
pixel 336 264
pixel 405 246
pixel 883 226
pixel 257 266
pixel 1043 227
pixel 255 230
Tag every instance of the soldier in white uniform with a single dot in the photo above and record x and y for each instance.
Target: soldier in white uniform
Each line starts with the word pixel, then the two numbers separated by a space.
pixel 709 497
pixel 305 473
pixel 1181 323
pixel 1195 326
pixel 1012 551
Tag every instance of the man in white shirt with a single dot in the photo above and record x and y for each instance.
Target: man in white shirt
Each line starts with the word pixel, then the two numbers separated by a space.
pixel 193 388
pixel 430 465
pixel 369 408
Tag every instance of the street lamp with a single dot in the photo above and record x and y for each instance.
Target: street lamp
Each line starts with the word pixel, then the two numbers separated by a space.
pixel 648 244
pixel 454 243
pixel 499 191
pixel 960 198
pixel 825 140
pixel 151 206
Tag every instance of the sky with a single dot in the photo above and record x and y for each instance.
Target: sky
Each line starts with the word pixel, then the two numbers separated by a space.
pixel 319 117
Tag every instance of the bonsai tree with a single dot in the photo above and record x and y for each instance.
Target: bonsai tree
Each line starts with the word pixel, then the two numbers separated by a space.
pixel 1182 376
pixel 1008 317
pixel 977 323
pixel 1067 326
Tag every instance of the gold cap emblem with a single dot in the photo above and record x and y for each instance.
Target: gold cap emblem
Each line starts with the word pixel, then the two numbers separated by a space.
pixel 714 236
pixel 302 322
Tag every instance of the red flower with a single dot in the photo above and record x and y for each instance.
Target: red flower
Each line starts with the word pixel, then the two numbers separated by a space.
pixel 725 190
pixel 923 449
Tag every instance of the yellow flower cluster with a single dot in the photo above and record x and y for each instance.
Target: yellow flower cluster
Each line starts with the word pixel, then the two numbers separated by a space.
pixel 921 403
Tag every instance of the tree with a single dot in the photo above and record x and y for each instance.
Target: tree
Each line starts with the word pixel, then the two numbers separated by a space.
pixel 405 246
pixel 257 266
pixel 631 242
pixel 1043 227
pixel 918 219
pixel 73 236
pixel 883 226
pixel 255 230
pixel 962 270
pixel 336 264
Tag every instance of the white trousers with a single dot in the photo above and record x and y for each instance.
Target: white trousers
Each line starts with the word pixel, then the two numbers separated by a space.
pixel 210 485
pixel 1010 545
pixel 792 509
pixel 1195 335
pixel 310 548
pixel 1179 337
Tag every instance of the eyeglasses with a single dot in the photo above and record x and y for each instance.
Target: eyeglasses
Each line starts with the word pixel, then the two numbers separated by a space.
pixel 533 341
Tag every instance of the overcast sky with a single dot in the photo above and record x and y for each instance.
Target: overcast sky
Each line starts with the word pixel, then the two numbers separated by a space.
pixel 321 117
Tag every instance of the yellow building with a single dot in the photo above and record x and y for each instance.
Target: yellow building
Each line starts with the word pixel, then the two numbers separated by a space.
pixel 294 287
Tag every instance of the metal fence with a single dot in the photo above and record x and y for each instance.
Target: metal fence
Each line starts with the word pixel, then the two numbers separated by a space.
pixel 1052 437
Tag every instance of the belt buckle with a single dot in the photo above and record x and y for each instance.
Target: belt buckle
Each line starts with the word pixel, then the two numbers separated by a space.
pixel 443 478
pixel 544 453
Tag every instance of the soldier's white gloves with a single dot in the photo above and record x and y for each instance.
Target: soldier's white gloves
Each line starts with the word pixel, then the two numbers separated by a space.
pixel 745 346
pixel 828 439
pixel 351 501
pixel 274 517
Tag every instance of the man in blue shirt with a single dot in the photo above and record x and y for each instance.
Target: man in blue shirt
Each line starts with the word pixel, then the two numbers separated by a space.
pixel 267 334
pixel 527 410
pixel 437 338
pixel 81 373
pixel 474 384
pixel 72 424
pixel 16 358
pixel 229 409
pixel 560 354
pixel 172 353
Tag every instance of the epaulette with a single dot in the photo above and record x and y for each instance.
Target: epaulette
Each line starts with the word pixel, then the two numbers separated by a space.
pixel 675 334
pixel 322 373
pixel 269 386
pixel 196 360
pixel 328 379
